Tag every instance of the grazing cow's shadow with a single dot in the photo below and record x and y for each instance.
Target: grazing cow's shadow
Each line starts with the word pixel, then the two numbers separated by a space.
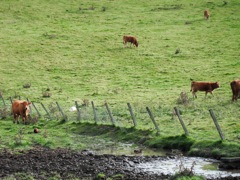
pixel 194 21
pixel 121 49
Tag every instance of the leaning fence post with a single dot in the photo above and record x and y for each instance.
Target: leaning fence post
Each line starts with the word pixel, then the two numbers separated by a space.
pixel 216 124
pixel 64 117
pixel 152 118
pixel 11 100
pixel 110 114
pixel 132 114
pixel 46 111
pixel 78 111
pixel 39 115
pixel 94 112
pixel 4 104
pixel 181 121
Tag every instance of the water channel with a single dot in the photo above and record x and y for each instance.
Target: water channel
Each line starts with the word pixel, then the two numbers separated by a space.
pixel 169 166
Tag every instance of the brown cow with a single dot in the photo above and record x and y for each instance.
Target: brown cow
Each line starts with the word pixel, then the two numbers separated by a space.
pixel 203 86
pixel 235 85
pixel 206 14
pixel 20 108
pixel 130 39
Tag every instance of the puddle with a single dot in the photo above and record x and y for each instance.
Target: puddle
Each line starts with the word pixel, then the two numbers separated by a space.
pixel 130 149
pixel 101 146
pixel 202 166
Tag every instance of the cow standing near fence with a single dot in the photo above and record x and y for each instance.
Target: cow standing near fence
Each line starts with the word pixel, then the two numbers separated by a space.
pixel 20 108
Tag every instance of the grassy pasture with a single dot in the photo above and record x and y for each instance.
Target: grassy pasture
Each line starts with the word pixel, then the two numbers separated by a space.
pixel 75 50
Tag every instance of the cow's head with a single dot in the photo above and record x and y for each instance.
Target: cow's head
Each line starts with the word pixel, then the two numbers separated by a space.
pixel 216 85
pixel 25 107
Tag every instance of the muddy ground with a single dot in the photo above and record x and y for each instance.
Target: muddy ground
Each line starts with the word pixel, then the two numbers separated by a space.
pixel 43 163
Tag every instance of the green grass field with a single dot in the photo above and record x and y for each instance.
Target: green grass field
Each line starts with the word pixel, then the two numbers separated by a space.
pixel 75 50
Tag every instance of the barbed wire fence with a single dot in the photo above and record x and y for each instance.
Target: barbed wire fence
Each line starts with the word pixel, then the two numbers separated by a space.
pixel 84 112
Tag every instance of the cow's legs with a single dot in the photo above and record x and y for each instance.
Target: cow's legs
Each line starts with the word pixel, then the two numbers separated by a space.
pixel 194 95
pixel 208 92
pixel 237 95
pixel 24 119
pixel 15 118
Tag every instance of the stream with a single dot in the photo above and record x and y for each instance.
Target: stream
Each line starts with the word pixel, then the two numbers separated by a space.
pixel 170 165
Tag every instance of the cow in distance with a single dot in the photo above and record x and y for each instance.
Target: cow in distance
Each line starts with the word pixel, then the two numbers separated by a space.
pixel 20 108
pixel 208 87
pixel 235 86
pixel 131 40
pixel 206 14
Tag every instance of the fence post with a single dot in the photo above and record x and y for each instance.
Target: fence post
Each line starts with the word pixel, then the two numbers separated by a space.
pixel 78 111
pixel 216 124
pixel 11 100
pixel 64 117
pixel 39 115
pixel 46 111
pixel 110 114
pixel 181 121
pixel 4 104
pixel 94 112
pixel 152 118
pixel 132 114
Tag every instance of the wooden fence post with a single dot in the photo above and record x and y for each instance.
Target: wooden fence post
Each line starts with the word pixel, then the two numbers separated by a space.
pixel 110 114
pixel 4 104
pixel 152 118
pixel 216 124
pixel 64 117
pixel 78 111
pixel 94 112
pixel 11 100
pixel 132 114
pixel 39 115
pixel 181 121
pixel 46 111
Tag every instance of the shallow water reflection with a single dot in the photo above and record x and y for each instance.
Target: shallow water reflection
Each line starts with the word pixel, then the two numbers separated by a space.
pixel 201 166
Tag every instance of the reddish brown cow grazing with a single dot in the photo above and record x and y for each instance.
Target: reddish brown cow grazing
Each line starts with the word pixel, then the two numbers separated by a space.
pixel 203 86
pixel 20 108
pixel 130 39
pixel 235 85
pixel 206 14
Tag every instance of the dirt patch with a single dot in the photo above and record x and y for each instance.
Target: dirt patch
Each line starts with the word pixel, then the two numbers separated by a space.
pixel 43 163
